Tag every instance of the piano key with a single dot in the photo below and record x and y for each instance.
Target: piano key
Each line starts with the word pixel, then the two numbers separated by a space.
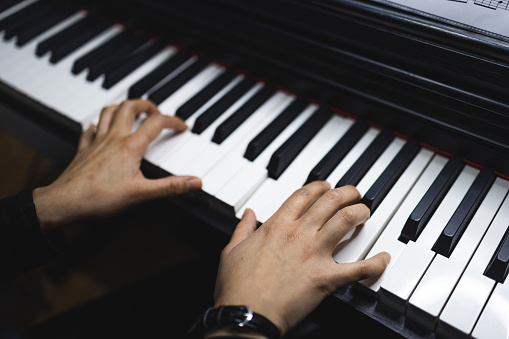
pixel 325 167
pixel 366 160
pixel 454 229
pixel 384 183
pixel 474 288
pixel 433 197
pixel 270 133
pixel 22 15
pixel 8 4
pixel 114 58
pixel 499 264
pixel 102 51
pixel 437 284
pixel 149 81
pixel 211 152
pixel 355 245
pixel 388 240
pixel 176 162
pixel 285 154
pixel 53 17
pixel 73 37
pixel 413 261
pixel 166 146
pixel 175 83
pixel 132 62
pixel 494 320
pixel 296 173
pixel 214 111
pixel 233 161
pixel 200 98
pixel 252 175
pixel 224 130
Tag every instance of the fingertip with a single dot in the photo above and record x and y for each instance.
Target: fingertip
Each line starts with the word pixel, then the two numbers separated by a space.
pixel 193 183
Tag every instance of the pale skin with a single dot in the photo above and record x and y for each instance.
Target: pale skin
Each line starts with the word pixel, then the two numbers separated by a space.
pixel 282 270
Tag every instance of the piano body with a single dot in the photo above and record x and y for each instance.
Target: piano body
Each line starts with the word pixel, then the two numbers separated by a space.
pixel 412 111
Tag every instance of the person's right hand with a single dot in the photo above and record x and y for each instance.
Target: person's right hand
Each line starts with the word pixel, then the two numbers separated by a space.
pixel 284 269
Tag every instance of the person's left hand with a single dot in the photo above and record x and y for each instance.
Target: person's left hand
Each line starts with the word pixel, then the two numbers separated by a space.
pixel 104 178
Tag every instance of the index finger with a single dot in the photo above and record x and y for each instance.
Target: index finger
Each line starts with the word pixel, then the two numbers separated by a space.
pixel 128 111
pixel 299 202
pixel 153 126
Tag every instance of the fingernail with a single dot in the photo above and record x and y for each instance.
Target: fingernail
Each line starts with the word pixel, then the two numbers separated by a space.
pixel 193 184
pixel 387 257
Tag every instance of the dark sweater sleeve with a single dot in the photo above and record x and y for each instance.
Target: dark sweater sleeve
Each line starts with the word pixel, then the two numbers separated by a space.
pixel 23 245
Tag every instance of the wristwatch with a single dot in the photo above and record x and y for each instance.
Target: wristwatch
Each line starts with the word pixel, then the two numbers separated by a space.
pixel 234 317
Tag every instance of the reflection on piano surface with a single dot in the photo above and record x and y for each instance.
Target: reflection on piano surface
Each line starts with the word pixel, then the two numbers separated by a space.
pixel 431 168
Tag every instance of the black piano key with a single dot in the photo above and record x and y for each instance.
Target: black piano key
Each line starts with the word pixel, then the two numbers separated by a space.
pixel 499 264
pixel 431 200
pixel 367 159
pixel 132 62
pixel 29 32
pixel 178 81
pixel 227 127
pixel 5 4
pixel 143 85
pixel 331 160
pixel 35 18
pixel 102 51
pixel 200 98
pixel 70 39
pixel 457 224
pixel 116 58
pixel 220 106
pixel 265 137
pixel 377 192
pixel 287 152
pixel 22 16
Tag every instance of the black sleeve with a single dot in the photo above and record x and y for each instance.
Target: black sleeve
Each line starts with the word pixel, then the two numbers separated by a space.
pixel 23 246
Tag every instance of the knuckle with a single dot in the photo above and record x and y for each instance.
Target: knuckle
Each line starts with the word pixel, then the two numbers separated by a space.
pixel 303 192
pixel 334 195
pixel 348 216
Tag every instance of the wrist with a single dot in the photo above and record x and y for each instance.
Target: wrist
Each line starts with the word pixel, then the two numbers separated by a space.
pixel 50 208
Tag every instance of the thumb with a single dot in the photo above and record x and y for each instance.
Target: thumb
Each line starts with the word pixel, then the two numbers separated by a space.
pixel 244 229
pixel 170 186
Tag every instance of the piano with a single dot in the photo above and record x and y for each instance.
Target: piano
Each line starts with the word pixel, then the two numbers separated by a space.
pixel 411 110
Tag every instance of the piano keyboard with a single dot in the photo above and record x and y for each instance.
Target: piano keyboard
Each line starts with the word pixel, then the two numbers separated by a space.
pixel 443 220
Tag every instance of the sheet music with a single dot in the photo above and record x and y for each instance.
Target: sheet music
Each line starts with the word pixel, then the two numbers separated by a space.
pixel 490 17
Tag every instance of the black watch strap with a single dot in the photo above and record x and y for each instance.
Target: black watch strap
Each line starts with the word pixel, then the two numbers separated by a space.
pixel 237 317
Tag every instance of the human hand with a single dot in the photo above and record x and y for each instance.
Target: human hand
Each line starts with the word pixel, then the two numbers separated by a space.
pixel 104 178
pixel 284 269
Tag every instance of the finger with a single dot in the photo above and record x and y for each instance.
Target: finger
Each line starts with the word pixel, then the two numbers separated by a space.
pixel 107 114
pixel 329 203
pixel 341 223
pixel 301 199
pixel 244 229
pixel 153 126
pixel 349 273
pixel 167 187
pixel 127 112
pixel 87 138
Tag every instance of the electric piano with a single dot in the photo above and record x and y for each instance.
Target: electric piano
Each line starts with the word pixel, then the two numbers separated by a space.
pixel 411 110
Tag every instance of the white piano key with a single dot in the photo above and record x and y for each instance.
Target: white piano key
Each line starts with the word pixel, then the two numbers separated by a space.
pixel 413 261
pixel 441 277
pixel 352 156
pixel 167 143
pixel 388 240
pixel 296 174
pixel 252 175
pixel 213 153
pixel 380 164
pixel 176 162
pixel 356 245
pixel 474 288
pixel 22 59
pixel 494 320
